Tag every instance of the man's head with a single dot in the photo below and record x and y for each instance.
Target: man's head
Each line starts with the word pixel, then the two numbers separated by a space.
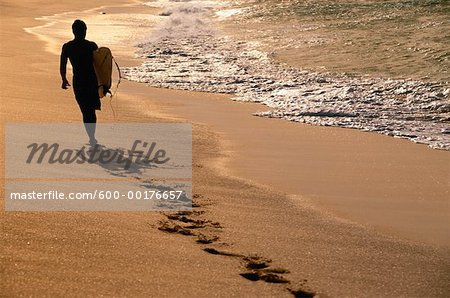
pixel 79 29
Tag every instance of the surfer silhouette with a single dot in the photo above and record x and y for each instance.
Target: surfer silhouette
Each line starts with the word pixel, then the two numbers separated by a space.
pixel 79 52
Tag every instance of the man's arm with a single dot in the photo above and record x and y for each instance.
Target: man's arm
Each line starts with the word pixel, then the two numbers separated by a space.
pixel 63 68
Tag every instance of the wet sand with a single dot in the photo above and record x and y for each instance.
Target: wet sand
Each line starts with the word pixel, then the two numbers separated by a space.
pixel 270 187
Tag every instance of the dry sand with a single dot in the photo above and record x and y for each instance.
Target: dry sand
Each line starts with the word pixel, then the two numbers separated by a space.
pixel 317 201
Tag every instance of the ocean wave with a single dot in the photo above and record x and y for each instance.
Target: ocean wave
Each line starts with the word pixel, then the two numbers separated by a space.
pixel 186 53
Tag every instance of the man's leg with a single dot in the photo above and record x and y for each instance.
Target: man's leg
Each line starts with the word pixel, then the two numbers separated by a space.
pixel 90 122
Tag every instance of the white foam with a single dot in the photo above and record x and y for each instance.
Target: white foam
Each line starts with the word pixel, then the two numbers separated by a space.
pixel 186 53
pixel 228 13
pixel 170 3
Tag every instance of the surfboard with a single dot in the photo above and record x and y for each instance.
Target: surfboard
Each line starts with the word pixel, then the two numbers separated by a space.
pixel 102 59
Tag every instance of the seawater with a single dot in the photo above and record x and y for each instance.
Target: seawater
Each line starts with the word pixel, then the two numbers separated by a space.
pixel 263 51
pixel 401 39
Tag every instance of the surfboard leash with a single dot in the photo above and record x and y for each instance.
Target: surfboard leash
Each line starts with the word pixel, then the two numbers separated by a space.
pixel 115 91
pixel 120 76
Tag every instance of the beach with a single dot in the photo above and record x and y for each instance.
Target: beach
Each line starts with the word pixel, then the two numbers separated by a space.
pixel 324 210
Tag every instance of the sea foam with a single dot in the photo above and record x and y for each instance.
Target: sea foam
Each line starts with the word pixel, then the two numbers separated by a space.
pixel 185 52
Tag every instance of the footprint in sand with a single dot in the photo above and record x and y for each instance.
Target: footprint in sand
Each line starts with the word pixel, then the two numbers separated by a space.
pixel 189 223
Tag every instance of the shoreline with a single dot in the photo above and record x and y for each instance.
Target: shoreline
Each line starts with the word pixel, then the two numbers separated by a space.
pixel 402 183
pixel 235 208
pixel 187 50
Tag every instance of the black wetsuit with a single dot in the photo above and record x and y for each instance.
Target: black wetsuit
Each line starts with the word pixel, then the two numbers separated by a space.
pixel 85 87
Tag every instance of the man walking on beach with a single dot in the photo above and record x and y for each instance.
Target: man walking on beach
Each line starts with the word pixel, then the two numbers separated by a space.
pixel 79 51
